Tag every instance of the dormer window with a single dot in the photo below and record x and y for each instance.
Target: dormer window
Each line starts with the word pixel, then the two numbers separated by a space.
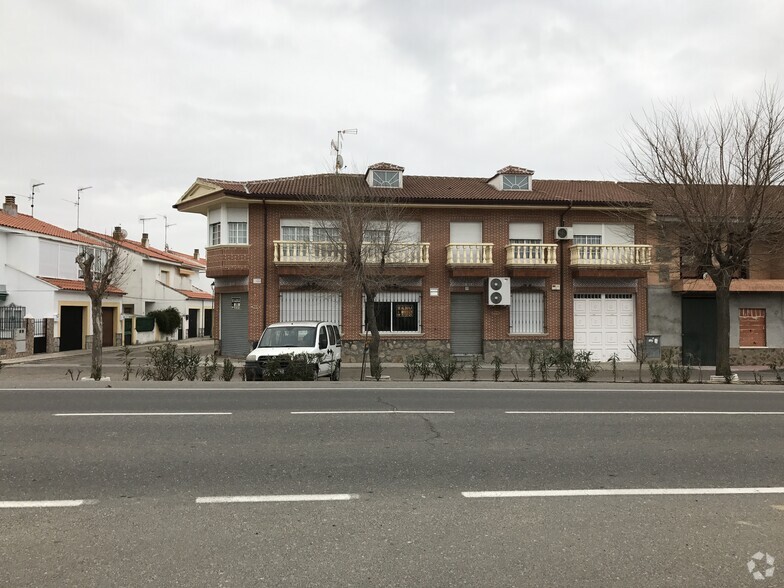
pixel 516 182
pixel 384 175
pixel 386 179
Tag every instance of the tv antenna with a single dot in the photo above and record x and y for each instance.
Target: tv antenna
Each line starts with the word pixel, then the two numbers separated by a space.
pixel 166 225
pixel 77 202
pixel 144 219
pixel 31 197
pixel 337 145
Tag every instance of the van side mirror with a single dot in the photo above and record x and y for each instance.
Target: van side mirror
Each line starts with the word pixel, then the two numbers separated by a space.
pixel 322 339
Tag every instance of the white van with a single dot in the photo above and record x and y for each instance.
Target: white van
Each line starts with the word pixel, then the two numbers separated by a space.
pixel 318 340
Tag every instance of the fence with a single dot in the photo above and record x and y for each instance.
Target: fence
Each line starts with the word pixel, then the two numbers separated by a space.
pixel 11 318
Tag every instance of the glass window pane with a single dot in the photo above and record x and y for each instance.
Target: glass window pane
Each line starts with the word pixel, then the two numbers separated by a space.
pixel 405 317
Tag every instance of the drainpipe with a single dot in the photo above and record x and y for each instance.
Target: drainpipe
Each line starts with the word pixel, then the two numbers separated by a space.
pixel 264 250
pixel 563 267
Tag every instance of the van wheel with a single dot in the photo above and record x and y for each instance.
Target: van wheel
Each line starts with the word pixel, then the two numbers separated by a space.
pixel 335 376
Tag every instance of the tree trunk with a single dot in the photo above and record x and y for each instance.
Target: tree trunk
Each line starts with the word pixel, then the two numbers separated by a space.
pixel 375 337
pixel 723 328
pixel 96 367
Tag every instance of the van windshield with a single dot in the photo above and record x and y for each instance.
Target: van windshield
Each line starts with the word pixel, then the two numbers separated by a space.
pixel 292 336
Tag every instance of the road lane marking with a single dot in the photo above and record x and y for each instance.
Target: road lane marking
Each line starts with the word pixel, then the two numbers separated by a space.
pixel 83 414
pixel 44 503
pixel 373 412
pixel 621 492
pixel 656 412
pixel 274 498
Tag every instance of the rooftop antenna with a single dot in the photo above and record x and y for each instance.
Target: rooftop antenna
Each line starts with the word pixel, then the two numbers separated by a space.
pixel 77 202
pixel 166 225
pixel 144 219
pixel 31 197
pixel 337 145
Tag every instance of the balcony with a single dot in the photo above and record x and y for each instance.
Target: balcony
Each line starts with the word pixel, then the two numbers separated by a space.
pixel 327 252
pixel 531 255
pixel 469 254
pixel 612 257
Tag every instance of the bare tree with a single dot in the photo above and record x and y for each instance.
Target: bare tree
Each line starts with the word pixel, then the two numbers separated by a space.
pixel 715 181
pixel 363 234
pixel 102 268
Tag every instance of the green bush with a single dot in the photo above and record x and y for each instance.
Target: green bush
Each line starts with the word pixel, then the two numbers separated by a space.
pixel 657 371
pixel 228 370
pixel 210 369
pixel 163 364
pixel 496 361
pixel 168 319
pixel 476 364
pixel 446 367
pixel 411 366
pixel 582 368
pixel 298 367
pixel 190 360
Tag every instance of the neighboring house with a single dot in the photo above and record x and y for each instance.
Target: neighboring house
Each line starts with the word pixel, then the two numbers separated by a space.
pixel 39 278
pixel 682 303
pixel 156 280
pixel 584 286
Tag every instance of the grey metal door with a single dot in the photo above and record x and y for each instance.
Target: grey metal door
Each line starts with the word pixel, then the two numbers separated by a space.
pixel 234 324
pixel 466 324
pixel 699 329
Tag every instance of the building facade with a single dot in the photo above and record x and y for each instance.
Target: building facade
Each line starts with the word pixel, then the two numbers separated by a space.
pixel 483 266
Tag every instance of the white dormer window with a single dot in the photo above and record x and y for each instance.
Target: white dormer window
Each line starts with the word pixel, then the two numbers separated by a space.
pixel 516 182
pixel 386 179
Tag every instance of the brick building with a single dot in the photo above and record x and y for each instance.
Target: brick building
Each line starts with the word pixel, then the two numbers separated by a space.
pixel 584 285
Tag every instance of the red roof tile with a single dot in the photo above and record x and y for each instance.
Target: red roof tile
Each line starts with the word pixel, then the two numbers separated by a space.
pixel 434 189
pixel 195 294
pixel 707 285
pixel 137 247
pixel 512 169
pixel 76 285
pixel 384 166
pixel 26 222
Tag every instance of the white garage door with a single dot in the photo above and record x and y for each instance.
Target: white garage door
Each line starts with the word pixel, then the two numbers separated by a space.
pixel 604 324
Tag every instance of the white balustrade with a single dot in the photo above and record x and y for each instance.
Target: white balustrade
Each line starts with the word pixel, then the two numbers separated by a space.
pixel 469 254
pixel 610 255
pixel 531 254
pixel 291 252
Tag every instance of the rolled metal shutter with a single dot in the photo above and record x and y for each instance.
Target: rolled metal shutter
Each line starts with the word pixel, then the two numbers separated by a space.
pixel 466 324
pixel 311 306
pixel 234 325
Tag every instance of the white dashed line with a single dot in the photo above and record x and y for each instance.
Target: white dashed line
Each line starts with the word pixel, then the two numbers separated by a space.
pixel 654 412
pixel 274 498
pixel 373 412
pixel 44 503
pixel 621 492
pixel 115 414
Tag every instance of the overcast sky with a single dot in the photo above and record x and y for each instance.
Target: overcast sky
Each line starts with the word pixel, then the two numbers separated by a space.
pixel 139 98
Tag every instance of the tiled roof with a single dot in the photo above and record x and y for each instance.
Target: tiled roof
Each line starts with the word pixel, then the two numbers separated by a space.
pixel 137 247
pixel 195 294
pixel 76 285
pixel 707 285
pixel 189 259
pixel 26 222
pixel 511 169
pixel 384 166
pixel 436 189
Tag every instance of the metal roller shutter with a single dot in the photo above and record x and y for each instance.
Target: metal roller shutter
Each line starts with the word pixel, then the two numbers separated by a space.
pixel 466 324
pixel 234 325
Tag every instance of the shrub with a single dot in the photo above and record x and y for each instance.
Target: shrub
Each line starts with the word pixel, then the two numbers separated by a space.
pixel 532 359
pixel 411 366
pixel 190 360
pixel 163 364
pixel 210 369
pixel 446 368
pixel 127 362
pixel 426 365
pixel 496 361
pixel 291 367
pixel 669 367
pixel 168 319
pixel 657 370
pixel 582 368
pixel 476 364
pixel 515 374
pixel 614 359
pixel 228 370
pixel 563 360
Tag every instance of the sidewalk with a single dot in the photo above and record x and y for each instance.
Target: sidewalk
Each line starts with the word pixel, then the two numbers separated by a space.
pixel 72 365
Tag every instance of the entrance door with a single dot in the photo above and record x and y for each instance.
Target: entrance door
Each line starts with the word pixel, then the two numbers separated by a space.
pixel 193 322
pixel 699 329
pixel 466 324
pixel 108 327
pixel 71 330
pixel 208 322
pixel 604 324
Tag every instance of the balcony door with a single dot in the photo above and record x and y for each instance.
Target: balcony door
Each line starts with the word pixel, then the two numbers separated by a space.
pixel 468 238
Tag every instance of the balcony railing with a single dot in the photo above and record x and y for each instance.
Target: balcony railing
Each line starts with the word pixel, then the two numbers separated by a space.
pixel 326 252
pixel 611 255
pixel 469 254
pixel 529 254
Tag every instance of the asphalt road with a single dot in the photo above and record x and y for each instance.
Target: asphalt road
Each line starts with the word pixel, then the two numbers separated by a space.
pixel 349 489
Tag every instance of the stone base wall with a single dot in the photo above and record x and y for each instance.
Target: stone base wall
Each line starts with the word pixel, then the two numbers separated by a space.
pixel 517 351
pixel 393 350
pixel 759 356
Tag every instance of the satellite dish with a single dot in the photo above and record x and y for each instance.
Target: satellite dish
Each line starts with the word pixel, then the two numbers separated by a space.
pixel 339 161
pixel 124 233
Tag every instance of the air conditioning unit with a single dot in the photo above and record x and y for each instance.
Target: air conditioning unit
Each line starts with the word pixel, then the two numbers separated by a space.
pixel 564 233
pixel 499 291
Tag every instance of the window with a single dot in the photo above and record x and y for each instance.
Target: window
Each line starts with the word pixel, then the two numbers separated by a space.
pixel 375 236
pixel 593 252
pixel 752 327
pixel 516 182
pixel 326 234
pixel 99 259
pixel 238 233
pixel 396 312
pixel 215 236
pixel 291 233
pixel 526 313
pixel 165 277
pixel 386 179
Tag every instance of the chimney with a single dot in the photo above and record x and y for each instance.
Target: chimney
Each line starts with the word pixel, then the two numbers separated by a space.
pixel 145 239
pixel 196 254
pixel 117 234
pixel 9 207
